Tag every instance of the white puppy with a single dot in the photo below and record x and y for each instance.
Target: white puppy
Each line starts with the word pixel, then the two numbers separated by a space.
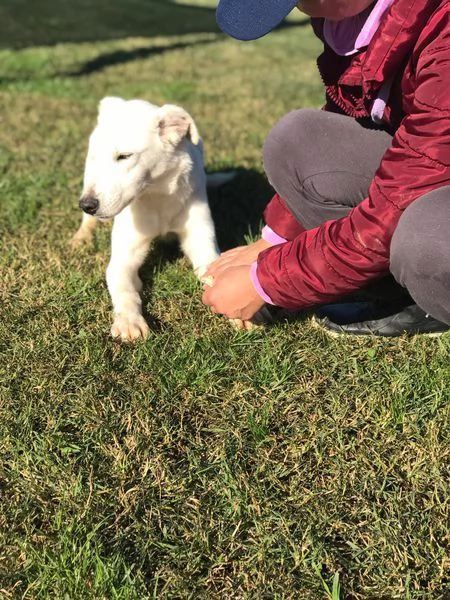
pixel 144 167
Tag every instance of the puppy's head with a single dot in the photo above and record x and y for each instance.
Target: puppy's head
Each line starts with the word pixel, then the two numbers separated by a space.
pixel 134 146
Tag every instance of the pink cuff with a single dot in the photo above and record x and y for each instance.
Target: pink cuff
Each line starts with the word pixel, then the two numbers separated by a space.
pixel 257 285
pixel 270 236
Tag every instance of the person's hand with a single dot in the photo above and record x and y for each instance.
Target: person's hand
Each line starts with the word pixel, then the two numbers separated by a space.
pixel 232 293
pixel 242 255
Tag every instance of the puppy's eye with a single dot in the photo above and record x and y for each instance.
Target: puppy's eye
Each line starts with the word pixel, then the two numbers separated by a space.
pixel 124 156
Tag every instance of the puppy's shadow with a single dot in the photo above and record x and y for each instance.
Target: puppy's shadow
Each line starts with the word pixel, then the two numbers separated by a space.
pixel 163 251
pixel 237 211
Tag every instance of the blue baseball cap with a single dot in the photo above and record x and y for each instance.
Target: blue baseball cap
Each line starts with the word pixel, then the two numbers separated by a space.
pixel 251 19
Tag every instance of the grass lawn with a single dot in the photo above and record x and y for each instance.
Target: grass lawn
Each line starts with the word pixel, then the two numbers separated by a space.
pixel 205 463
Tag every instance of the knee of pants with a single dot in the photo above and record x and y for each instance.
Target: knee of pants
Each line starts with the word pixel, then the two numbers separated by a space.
pixel 284 144
pixel 419 246
pixel 420 252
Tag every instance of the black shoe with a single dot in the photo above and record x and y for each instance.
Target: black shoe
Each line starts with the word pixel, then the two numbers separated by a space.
pixel 372 318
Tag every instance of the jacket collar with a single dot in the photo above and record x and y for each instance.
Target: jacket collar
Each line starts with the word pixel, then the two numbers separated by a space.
pixel 387 52
pixel 394 40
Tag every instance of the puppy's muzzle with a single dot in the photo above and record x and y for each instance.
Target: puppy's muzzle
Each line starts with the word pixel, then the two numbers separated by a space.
pixel 89 204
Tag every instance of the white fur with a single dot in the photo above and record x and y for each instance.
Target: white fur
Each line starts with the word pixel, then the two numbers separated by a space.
pixel 145 167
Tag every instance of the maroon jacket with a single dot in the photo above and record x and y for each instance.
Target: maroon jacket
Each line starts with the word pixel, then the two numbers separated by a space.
pixel 412 45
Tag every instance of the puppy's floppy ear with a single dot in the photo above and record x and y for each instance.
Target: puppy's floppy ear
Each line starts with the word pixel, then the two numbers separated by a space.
pixel 108 106
pixel 175 124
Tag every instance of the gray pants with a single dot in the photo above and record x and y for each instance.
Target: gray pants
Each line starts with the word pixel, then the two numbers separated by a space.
pixel 322 164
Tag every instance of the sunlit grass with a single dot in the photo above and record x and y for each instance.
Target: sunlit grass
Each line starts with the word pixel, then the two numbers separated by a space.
pixel 205 463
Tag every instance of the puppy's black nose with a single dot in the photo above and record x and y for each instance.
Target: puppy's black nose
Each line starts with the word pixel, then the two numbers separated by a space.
pixel 89 204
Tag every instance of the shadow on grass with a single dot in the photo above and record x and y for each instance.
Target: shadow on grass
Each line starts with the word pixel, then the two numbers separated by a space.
pixel 125 56
pixel 238 206
pixel 111 59
pixel 49 22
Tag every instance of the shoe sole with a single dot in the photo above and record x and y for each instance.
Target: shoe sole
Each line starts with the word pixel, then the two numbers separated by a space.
pixel 316 324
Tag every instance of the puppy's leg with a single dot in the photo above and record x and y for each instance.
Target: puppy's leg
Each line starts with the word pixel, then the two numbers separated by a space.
pixel 198 238
pixel 128 252
pixel 84 233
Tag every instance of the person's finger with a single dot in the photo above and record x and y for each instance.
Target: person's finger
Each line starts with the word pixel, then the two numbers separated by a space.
pixel 216 272
pixel 214 264
pixel 210 270
pixel 220 270
pixel 208 298
pixel 217 264
pixel 231 252
pixel 228 256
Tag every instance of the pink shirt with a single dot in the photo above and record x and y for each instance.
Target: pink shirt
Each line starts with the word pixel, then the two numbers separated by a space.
pixel 350 35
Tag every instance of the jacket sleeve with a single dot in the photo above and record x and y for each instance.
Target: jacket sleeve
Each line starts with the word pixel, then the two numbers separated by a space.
pixel 323 264
pixel 278 217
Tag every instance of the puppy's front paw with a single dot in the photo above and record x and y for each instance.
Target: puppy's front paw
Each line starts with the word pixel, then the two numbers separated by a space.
pixel 261 318
pixel 241 325
pixel 129 328
pixel 82 236
pixel 85 231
